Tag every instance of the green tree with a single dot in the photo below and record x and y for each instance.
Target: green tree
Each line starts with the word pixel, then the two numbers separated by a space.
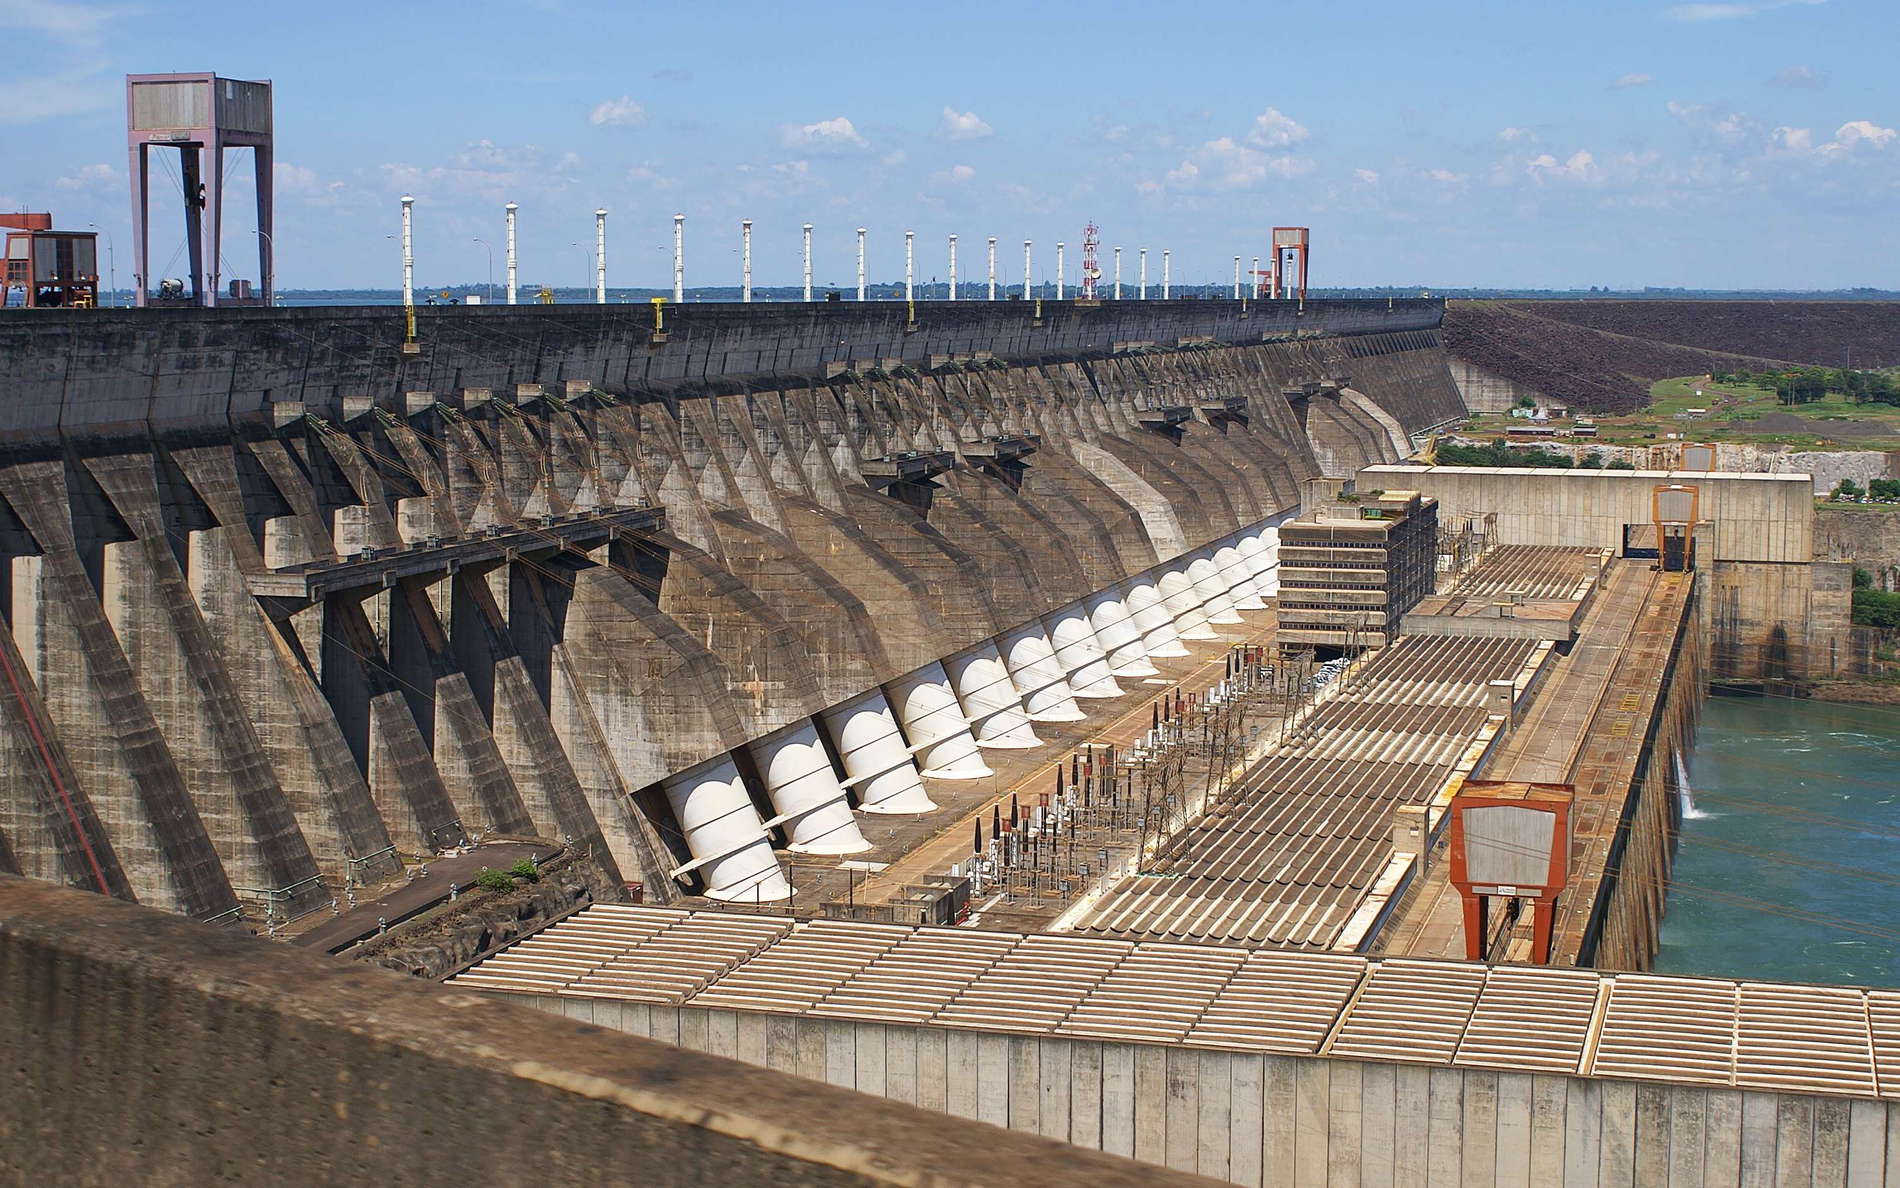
pixel 1876 608
pixel 1847 488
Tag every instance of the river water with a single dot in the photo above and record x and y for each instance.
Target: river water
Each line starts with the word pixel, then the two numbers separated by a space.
pixel 1794 828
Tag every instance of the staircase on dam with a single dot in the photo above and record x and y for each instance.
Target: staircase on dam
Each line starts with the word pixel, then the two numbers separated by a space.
pixel 288 603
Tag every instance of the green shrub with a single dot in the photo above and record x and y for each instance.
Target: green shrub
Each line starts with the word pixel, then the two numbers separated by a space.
pixel 526 869
pixel 490 879
pixel 1621 464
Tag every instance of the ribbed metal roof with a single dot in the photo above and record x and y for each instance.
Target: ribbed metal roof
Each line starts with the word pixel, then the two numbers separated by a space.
pixel 1814 1039
pixel 1290 856
pixel 1539 572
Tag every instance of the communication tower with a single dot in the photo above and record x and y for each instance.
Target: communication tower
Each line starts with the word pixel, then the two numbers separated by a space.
pixel 1091 270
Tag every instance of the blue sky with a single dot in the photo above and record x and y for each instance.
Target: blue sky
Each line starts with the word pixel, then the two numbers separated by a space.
pixel 1735 144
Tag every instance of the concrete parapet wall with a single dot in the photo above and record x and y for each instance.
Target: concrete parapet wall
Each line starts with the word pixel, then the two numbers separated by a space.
pixel 109 373
pixel 155 1051
pixel 1256 1118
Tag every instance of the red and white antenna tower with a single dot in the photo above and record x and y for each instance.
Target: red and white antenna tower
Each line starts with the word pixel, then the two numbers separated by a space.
pixel 1091 271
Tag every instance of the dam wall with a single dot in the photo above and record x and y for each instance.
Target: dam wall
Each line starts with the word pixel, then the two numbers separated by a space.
pixel 156 1051
pixel 1771 612
pixel 286 602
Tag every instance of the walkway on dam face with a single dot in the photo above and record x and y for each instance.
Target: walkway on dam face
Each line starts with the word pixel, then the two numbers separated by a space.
pixel 434 882
pixel 1583 707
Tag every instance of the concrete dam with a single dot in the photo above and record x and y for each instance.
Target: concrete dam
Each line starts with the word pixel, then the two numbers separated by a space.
pixel 292 593
pixel 762 608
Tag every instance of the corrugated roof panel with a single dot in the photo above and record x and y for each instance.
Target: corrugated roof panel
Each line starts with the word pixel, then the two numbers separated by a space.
pixel 1674 1029
pixel 1536 1019
pixel 1410 1010
pixel 1883 1019
pixel 1808 1038
pixel 1279 1002
pixel 1158 991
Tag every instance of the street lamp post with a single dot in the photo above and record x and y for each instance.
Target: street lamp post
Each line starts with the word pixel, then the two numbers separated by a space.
pixel 491 271
pixel 112 260
pixel 270 281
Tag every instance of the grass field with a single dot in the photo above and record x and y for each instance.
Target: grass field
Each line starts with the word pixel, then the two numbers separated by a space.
pixel 1733 413
pixel 1743 402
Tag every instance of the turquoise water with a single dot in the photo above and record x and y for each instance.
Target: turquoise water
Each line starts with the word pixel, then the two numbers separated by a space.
pixel 1796 817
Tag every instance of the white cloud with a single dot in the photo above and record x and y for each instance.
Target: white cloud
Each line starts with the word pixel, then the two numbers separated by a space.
pixel 1804 78
pixel 623 112
pixel 60 19
pixel 1274 129
pixel 88 177
pixel 297 181
pixel 649 174
pixel 1732 12
pixel 1724 123
pixel 956 175
pixel 1794 140
pixel 1580 167
pixel 1515 135
pixel 964 125
pixel 833 135
pixel 1632 79
pixel 893 159
pixel 1369 177
pixel 1445 176
pixel 1848 138
pixel 488 170
pixel 30 100
pixel 1225 165
pixel 1856 133
pixel 1022 198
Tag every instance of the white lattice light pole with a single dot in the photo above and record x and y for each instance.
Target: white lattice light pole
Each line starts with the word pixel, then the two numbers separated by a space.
pixel 679 258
